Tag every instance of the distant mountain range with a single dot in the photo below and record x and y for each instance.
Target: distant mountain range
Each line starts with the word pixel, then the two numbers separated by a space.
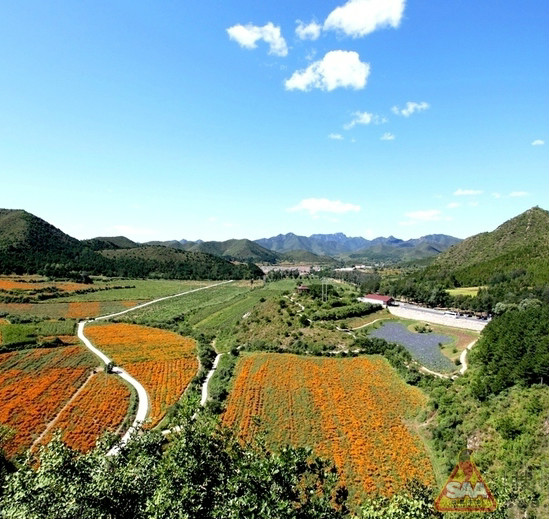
pixel 30 244
pixel 344 247
pixel 317 248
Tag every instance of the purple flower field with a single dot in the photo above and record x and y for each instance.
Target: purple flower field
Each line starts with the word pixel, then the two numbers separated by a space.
pixel 423 346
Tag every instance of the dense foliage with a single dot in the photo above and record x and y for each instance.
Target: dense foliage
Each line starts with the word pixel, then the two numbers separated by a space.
pixel 514 349
pixel 343 312
pixel 202 473
pixel 519 243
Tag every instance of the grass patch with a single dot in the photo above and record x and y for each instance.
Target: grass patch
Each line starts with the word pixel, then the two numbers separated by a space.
pixel 464 291
pixel 34 333
pixel 357 322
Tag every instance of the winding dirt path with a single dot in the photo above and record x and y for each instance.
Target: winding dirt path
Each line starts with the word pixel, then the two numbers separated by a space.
pixel 143 398
pixel 463 357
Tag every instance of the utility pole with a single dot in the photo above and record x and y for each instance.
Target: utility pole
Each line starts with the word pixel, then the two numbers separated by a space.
pixel 324 290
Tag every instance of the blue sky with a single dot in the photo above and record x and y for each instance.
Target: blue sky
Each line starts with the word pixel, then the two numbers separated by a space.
pixel 214 120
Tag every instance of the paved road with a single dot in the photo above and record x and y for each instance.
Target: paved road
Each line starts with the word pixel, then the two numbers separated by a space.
pixel 142 397
pixel 419 313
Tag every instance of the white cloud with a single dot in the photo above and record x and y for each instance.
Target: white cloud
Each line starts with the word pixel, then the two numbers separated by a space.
pixel 453 205
pixel 248 35
pixel 311 31
pixel 516 194
pixel 338 68
pixel 364 118
pixel 496 195
pixel 411 107
pixel 538 142
pixel 467 192
pixel 335 136
pixel 387 136
pixel 361 17
pixel 322 205
pixel 473 204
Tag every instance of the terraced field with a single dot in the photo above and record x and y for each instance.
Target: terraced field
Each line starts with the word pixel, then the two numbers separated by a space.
pixel 100 405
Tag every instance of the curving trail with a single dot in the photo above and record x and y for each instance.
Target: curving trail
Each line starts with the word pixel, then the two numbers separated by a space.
pixel 142 397
pixel 463 357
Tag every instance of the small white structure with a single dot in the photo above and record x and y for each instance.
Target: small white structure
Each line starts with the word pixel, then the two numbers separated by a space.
pixel 376 299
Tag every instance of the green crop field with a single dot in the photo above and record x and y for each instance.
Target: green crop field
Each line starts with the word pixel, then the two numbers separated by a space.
pixel 189 304
pixel 464 291
pixel 33 333
pixel 142 289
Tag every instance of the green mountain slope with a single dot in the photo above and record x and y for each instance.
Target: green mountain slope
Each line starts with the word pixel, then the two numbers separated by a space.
pixel 31 245
pixel 386 253
pixel 233 250
pixel 520 244
pixel 304 256
pixel 160 261
pixel 110 242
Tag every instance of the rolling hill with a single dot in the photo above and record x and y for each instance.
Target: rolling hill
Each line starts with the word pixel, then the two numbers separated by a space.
pixel 247 251
pixel 110 242
pixel 31 245
pixel 239 250
pixel 518 246
pixel 160 261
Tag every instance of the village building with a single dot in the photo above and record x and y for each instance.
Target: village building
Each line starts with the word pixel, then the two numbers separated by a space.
pixel 377 299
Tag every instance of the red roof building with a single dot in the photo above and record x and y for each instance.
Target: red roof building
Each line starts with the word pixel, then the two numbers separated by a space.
pixel 377 299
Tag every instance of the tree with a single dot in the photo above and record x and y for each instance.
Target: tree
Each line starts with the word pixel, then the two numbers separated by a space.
pixel 203 472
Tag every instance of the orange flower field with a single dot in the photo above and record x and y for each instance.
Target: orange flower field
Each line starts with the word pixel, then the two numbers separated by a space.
pixel 351 410
pixel 163 361
pixel 15 284
pixel 130 304
pixel 82 310
pixel 35 385
pixel 100 406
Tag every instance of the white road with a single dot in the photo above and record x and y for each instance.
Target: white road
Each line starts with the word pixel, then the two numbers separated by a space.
pixel 463 357
pixel 142 397
pixel 204 396
pixel 418 313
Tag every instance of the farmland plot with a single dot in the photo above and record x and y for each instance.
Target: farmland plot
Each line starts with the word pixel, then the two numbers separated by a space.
pixel 350 410
pixel 101 405
pixel 164 362
pixel 35 385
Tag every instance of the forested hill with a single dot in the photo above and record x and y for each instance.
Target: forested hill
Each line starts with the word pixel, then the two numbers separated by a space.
pixel 518 246
pixel 178 264
pixel 31 245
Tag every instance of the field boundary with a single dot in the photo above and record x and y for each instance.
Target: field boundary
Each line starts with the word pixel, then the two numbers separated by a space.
pixel 52 422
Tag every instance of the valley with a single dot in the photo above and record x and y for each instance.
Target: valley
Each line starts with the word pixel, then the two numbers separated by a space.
pixel 384 396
